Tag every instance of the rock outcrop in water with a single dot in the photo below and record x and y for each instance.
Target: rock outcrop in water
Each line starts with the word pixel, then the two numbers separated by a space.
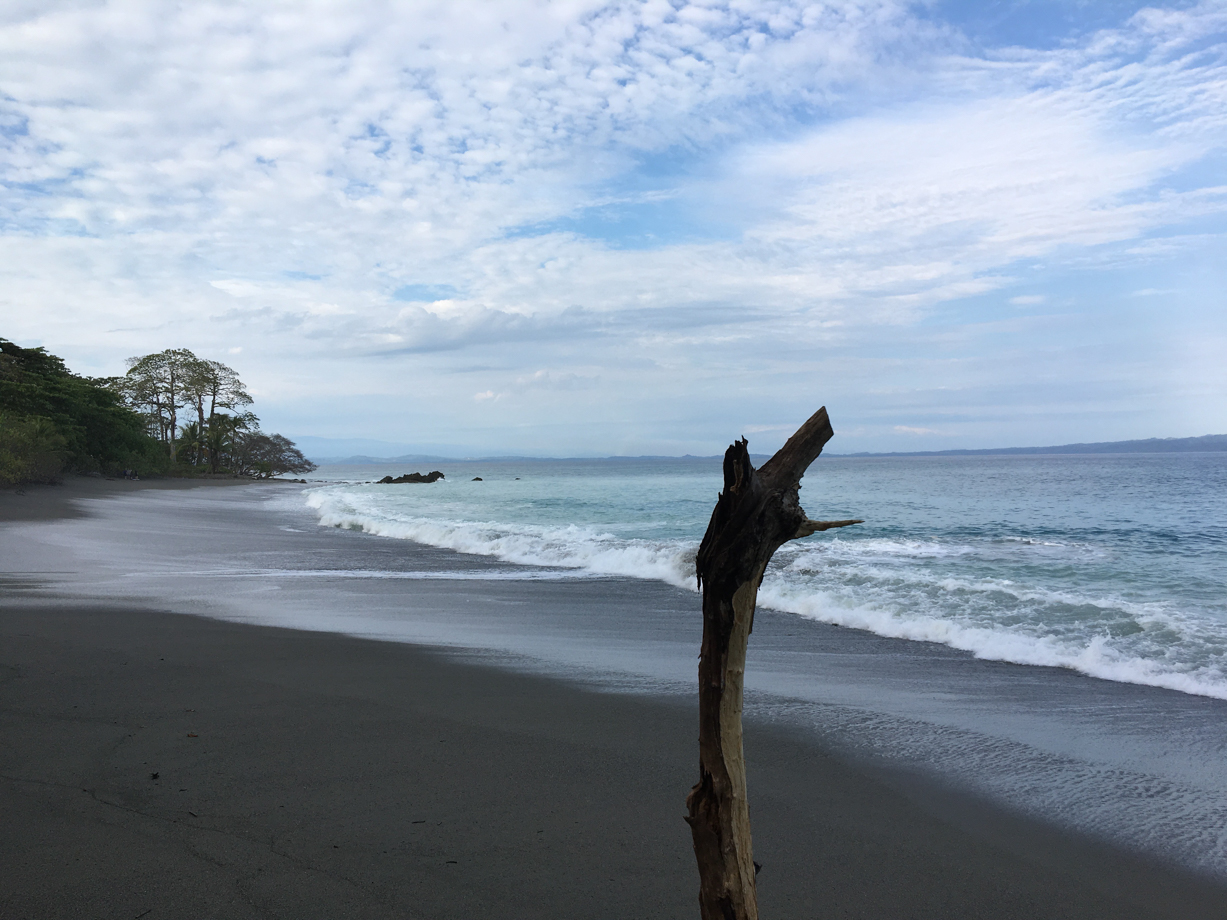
pixel 432 476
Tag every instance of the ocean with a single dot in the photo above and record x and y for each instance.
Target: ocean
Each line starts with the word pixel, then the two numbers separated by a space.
pixel 1112 566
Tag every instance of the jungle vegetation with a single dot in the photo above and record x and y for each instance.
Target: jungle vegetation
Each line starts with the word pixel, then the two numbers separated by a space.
pixel 172 413
pixel 52 420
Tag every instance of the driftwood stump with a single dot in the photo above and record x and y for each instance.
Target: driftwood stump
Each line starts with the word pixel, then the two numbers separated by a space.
pixel 756 514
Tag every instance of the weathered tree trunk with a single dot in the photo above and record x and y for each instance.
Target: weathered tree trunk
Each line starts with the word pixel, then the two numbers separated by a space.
pixel 174 413
pixel 757 512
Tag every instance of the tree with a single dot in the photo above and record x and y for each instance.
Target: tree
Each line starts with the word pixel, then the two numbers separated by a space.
pixel 223 435
pixel 757 513
pixel 83 418
pixel 31 450
pixel 263 455
pixel 236 443
pixel 216 386
pixel 158 384
pixel 51 419
pixel 192 444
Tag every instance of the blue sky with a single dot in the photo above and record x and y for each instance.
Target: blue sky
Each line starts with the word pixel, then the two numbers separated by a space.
pixel 635 227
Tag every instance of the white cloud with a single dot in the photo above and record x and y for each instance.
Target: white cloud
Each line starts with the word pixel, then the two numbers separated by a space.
pixel 192 174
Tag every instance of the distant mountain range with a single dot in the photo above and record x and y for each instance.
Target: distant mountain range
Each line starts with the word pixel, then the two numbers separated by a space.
pixel 364 460
pixel 1209 442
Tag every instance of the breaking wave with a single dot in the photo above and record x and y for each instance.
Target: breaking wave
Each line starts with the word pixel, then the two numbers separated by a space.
pixel 971 594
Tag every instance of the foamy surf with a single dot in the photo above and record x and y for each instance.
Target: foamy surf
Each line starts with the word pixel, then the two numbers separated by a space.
pixel 569 546
pixel 1093 599
pixel 1093 655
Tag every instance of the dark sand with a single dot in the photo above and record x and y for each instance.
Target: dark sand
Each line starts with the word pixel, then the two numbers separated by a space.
pixel 48 502
pixel 309 775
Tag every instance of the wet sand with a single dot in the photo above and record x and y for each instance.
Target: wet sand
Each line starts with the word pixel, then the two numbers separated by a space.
pixel 307 774
pixel 41 502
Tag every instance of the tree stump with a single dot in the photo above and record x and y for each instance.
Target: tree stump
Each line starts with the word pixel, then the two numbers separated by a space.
pixel 756 514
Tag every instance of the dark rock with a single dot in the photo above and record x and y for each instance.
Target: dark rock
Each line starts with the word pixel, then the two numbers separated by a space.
pixel 476 479
pixel 432 476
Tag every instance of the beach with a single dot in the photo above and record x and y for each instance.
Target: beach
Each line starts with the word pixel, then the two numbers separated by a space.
pixel 519 765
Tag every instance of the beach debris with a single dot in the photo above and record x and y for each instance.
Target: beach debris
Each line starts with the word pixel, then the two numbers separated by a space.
pixel 432 476
pixel 192 735
pixel 757 513
pixel 154 775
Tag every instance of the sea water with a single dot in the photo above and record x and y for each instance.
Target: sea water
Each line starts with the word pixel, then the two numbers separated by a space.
pixel 1114 566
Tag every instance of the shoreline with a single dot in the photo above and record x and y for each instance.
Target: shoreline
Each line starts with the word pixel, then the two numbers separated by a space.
pixel 49 502
pixel 358 739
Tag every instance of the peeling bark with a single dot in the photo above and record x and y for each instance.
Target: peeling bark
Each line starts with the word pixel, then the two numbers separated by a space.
pixel 756 514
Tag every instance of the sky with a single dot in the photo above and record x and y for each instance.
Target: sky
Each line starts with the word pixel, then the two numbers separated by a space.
pixel 641 227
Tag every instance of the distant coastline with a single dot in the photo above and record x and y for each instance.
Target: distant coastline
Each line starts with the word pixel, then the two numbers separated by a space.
pixel 1206 443
pixel 1203 444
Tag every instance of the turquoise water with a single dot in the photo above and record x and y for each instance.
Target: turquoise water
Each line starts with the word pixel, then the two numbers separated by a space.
pixel 1115 566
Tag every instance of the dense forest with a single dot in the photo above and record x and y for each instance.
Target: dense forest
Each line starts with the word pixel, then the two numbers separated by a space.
pixel 53 421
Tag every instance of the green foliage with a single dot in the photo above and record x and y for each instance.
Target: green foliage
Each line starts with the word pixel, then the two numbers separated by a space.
pixel 262 456
pixel 236 443
pixel 54 419
pixel 160 385
pixel 192 444
pixel 167 383
pixel 155 387
pixel 31 450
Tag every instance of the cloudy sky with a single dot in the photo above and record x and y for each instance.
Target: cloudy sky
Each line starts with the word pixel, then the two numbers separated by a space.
pixel 640 226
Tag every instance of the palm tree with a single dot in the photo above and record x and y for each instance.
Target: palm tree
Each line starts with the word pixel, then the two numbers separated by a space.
pixel 192 446
pixel 219 440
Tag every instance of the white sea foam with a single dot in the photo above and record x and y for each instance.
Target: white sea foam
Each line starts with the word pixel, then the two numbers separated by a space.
pixel 952 592
pixel 518 574
pixel 1091 654
pixel 568 545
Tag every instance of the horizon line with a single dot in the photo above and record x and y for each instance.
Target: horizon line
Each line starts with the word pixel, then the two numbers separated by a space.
pixel 1209 443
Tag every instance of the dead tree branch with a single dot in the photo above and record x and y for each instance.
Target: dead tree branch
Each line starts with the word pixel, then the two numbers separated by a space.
pixel 756 514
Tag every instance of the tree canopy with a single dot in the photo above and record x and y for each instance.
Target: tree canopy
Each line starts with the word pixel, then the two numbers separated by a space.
pixel 264 455
pixel 172 412
pixel 225 435
pixel 52 419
